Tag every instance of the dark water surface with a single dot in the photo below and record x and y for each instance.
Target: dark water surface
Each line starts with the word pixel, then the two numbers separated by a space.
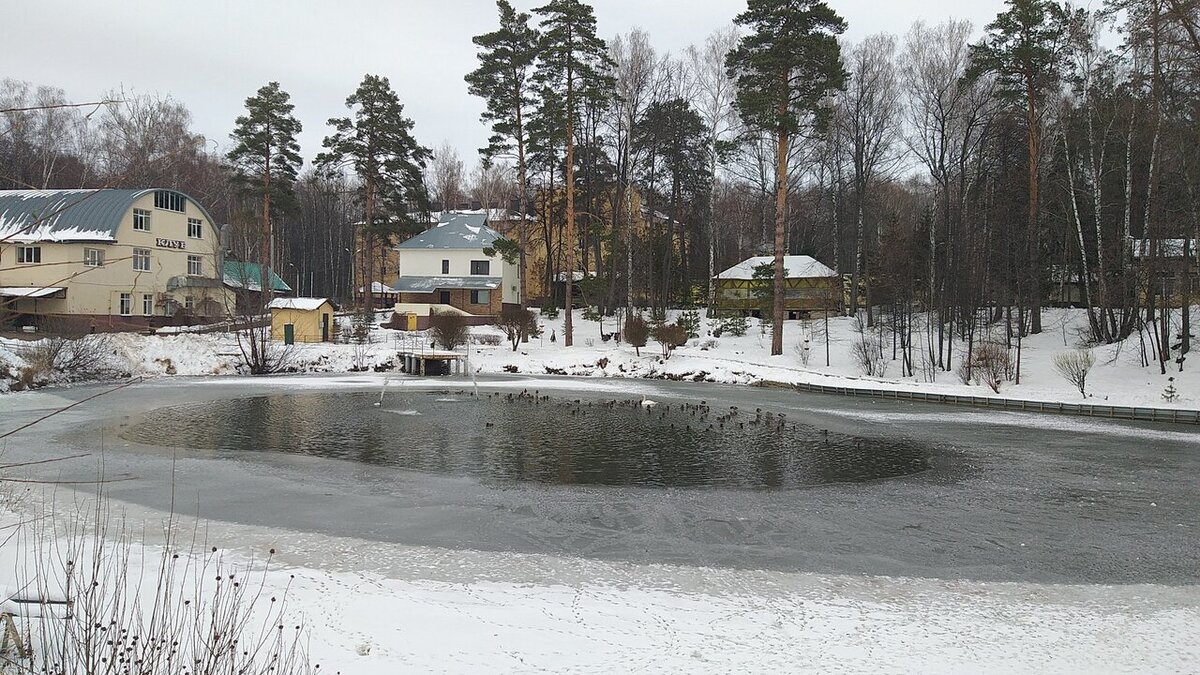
pixel 542 439
pixel 847 486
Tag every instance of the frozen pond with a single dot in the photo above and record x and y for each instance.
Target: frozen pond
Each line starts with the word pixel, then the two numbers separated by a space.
pixel 528 436
pixel 846 486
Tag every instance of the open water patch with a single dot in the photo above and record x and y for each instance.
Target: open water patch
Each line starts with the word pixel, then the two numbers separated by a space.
pixel 530 437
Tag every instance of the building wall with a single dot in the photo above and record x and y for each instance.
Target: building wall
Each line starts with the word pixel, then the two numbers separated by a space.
pixel 96 291
pixel 428 263
pixel 799 295
pixel 307 323
pixel 461 299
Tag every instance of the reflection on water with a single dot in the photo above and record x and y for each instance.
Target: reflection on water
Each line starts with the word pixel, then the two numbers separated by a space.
pixel 504 438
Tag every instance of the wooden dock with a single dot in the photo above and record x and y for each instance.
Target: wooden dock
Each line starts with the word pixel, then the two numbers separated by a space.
pixel 421 362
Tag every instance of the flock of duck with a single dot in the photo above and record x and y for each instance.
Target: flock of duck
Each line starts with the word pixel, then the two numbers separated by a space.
pixel 701 415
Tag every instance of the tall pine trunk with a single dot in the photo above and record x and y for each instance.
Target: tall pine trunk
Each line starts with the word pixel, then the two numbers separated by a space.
pixel 569 236
pixel 781 188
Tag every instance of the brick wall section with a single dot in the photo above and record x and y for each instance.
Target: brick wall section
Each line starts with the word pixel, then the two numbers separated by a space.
pixel 461 299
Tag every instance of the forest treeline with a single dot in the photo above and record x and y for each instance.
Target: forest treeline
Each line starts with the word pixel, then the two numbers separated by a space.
pixel 974 174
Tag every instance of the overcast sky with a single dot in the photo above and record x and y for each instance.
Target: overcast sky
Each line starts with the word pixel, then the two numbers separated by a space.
pixel 212 54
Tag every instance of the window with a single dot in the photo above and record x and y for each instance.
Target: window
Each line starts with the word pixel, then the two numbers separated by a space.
pixel 480 267
pixel 171 201
pixel 141 220
pixel 148 304
pixel 195 266
pixel 29 254
pixel 445 267
pixel 126 304
pixel 141 260
pixel 189 303
pixel 93 257
pixel 444 297
pixel 195 228
pixel 480 297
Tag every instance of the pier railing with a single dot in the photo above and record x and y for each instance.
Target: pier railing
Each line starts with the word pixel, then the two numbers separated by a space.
pixel 1137 413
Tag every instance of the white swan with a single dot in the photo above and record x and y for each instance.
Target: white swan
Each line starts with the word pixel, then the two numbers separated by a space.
pixel 647 402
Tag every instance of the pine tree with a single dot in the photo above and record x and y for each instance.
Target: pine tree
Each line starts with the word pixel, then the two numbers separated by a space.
pixel 784 68
pixel 377 144
pixel 675 143
pixel 1025 48
pixel 506 60
pixel 266 157
pixel 576 62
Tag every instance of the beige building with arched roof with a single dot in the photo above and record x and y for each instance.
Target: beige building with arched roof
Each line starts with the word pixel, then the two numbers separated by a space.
pixel 109 259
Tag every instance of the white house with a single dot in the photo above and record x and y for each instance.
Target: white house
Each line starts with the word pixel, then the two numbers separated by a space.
pixel 447 265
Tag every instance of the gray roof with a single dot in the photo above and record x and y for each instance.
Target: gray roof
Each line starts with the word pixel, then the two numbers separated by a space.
pixel 455 230
pixel 431 284
pixel 67 215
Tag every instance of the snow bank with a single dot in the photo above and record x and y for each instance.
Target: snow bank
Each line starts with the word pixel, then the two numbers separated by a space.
pixel 1118 378
pixel 372 608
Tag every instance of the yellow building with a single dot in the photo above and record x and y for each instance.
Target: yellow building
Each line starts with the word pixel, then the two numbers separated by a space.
pixel 808 287
pixel 109 259
pixel 302 320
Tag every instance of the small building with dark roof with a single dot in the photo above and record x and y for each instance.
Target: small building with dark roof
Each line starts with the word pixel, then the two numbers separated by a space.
pixel 109 259
pixel 447 265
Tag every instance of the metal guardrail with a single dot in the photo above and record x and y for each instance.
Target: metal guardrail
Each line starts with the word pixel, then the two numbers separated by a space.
pixel 1136 413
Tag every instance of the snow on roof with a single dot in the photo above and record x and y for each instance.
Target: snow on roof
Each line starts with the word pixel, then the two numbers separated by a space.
pixel 795 267
pixel 29 291
pixel 1167 248
pixel 65 215
pixel 376 287
pixel 494 215
pixel 455 231
pixel 430 284
pixel 305 304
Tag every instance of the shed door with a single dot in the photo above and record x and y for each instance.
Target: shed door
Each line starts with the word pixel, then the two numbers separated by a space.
pixel 289 333
pixel 325 327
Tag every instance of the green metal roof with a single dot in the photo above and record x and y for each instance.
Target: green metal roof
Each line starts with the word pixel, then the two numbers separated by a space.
pixel 69 215
pixel 249 275
pixel 455 231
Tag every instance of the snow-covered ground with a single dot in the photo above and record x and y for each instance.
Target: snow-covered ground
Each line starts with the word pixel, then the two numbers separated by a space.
pixel 378 609
pixel 1118 378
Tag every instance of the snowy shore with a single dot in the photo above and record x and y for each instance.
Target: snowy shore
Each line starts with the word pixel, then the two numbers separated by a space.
pixel 1118 377
pixel 370 608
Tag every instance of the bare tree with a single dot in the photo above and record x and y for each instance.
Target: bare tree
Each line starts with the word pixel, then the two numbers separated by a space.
pixel 447 173
pixel 492 185
pixel 715 93
pixel 145 139
pixel 635 62
pixel 869 121
pixel 1074 366
pixel 946 118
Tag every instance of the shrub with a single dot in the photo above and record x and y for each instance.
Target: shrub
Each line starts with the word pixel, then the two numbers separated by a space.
pixel 990 363
pixel 550 310
pixel 734 325
pixel 1074 367
pixel 449 329
pixel 487 339
pixel 80 358
pixel 636 332
pixel 669 336
pixel 867 356
pixel 690 321
pixel 1170 393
